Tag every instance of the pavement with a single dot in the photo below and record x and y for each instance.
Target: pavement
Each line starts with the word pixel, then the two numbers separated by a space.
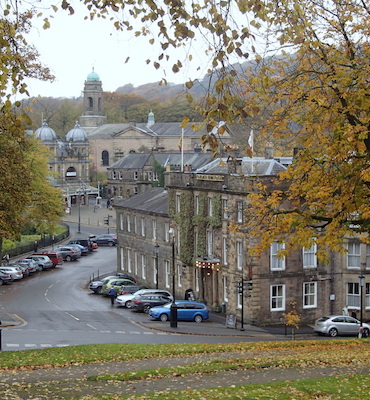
pixel 215 326
pixel 91 215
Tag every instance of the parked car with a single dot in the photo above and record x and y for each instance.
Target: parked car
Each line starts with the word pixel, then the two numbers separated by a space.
pixel 96 286
pixel 68 253
pixel 334 325
pixel 125 300
pixel 42 261
pixel 15 272
pixel 5 278
pixel 83 242
pixel 55 257
pixel 128 289
pixel 186 311
pixel 22 267
pixel 31 265
pixel 80 248
pixel 108 239
pixel 145 302
pixel 115 283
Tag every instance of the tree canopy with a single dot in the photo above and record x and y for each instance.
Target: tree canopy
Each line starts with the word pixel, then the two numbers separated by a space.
pixel 25 191
pixel 308 83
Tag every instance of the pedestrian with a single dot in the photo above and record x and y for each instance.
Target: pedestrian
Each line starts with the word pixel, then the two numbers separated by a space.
pixel 112 294
pixel 6 259
pixel 35 246
pixel 345 310
pixel 108 203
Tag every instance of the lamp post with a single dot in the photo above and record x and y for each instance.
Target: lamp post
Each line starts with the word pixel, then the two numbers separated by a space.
pixel 173 308
pixel 156 252
pixel 362 284
pixel 79 191
pixel 79 211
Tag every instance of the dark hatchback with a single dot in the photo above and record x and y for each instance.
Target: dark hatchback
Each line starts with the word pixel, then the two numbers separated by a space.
pixel 108 239
pixel 146 302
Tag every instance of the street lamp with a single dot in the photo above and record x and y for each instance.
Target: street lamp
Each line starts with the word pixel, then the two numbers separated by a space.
pixel 173 308
pixel 362 284
pixel 79 211
pixel 79 191
pixel 156 252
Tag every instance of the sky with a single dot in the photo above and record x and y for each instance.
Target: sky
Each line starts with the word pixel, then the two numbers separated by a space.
pixel 73 47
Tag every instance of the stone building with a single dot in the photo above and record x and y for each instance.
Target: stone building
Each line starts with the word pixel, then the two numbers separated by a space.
pixel 69 163
pixel 138 172
pixel 180 238
pixel 109 142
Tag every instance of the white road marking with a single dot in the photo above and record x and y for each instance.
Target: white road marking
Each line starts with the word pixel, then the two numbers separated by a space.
pixel 77 319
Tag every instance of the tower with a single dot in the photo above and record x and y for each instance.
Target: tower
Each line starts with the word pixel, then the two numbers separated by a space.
pixel 93 108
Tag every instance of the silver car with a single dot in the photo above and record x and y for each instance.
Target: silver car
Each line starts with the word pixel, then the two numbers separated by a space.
pixel 124 300
pixel 334 325
pixel 14 272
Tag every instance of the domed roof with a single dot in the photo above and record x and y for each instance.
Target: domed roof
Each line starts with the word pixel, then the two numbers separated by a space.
pixel 93 76
pixel 77 134
pixel 45 133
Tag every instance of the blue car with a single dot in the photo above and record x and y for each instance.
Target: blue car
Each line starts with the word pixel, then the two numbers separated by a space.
pixel 186 311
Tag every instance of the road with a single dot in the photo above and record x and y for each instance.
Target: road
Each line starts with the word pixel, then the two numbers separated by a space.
pixel 58 310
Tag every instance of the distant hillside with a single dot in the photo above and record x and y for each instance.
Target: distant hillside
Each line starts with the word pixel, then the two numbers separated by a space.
pixel 154 91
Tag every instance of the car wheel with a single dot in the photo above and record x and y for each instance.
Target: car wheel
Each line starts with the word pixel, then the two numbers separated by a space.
pixel 98 290
pixel 198 318
pixel 163 317
pixel 110 244
pixel 365 333
pixel 1 282
pixel 146 308
pixel 128 304
pixel 68 258
pixel 333 332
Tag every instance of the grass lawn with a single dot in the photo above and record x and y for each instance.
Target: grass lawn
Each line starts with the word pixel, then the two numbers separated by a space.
pixel 316 357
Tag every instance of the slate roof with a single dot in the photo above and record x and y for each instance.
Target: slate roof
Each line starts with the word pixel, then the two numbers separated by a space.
pixel 249 166
pixel 139 160
pixel 131 161
pixel 154 201
pixel 157 129
pixel 195 160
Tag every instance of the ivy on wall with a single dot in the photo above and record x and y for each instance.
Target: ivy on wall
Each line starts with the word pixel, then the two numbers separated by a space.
pixel 216 219
pixel 184 220
pixel 159 170
pixel 187 222
pixel 201 221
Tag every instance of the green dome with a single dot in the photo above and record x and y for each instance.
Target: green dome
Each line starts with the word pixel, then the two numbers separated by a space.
pixel 93 76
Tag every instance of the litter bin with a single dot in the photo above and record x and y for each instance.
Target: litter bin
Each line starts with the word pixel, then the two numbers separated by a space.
pixel 223 308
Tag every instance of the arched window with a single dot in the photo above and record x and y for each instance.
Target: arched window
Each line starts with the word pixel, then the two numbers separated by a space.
pixel 71 173
pixel 105 157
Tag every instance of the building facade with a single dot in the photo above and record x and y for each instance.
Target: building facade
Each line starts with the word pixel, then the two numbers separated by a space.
pixel 197 243
pixel 138 172
pixel 69 163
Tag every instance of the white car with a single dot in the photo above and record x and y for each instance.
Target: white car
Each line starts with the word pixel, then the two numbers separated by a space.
pixel 14 272
pixel 124 300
